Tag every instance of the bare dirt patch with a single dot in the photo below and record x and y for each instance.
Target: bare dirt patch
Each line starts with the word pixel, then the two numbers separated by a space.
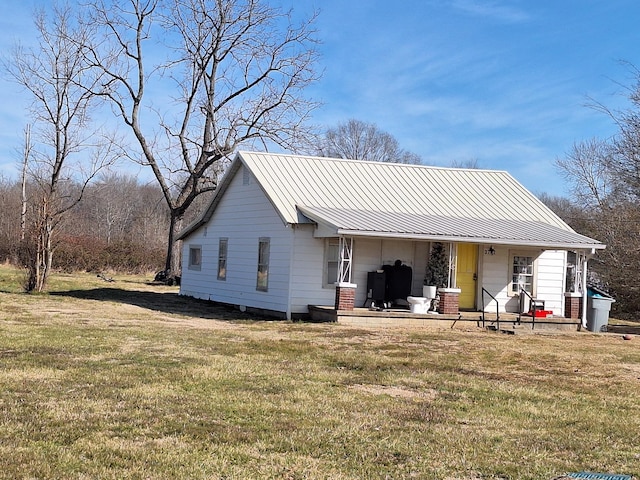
pixel 395 391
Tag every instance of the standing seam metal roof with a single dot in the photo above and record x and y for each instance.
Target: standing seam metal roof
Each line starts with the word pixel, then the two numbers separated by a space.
pixel 413 201
pixel 429 227
pixel 291 180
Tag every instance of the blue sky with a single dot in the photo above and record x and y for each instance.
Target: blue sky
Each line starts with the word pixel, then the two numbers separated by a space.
pixel 504 83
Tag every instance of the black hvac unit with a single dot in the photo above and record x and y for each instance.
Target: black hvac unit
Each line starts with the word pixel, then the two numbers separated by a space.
pixel 376 287
pixel 398 280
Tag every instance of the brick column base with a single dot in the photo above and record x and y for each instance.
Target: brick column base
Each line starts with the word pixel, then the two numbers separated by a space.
pixel 345 296
pixel 572 305
pixel 449 301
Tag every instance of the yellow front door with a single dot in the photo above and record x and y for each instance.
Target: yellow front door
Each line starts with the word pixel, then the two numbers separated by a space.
pixel 467 274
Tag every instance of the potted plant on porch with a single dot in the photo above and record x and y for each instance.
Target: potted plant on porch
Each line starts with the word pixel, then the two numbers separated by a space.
pixel 437 273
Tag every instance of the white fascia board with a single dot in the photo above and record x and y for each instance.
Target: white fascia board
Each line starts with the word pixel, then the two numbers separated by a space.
pixel 480 240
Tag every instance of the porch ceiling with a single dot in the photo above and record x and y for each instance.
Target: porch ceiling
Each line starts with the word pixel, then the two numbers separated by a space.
pixel 342 221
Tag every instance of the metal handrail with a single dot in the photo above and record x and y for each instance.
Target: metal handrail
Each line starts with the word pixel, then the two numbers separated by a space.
pixel 533 307
pixel 484 290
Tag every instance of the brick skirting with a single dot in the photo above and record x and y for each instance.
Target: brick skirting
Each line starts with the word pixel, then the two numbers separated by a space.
pixel 449 301
pixel 572 305
pixel 345 296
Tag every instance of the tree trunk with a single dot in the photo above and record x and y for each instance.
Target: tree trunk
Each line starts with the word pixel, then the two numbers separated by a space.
pixel 172 263
pixel 25 161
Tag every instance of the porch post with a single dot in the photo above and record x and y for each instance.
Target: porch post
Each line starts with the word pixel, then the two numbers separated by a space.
pixel 449 303
pixel 575 301
pixel 584 290
pixel 573 305
pixel 346 256
pixel 345 290
pixel 453 265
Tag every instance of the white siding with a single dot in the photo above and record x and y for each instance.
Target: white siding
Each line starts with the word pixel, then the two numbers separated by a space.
pixel 550 279
pixel 308 271
pixel 494 277
pixel 367 258
pixel 371 254
pixel 244 215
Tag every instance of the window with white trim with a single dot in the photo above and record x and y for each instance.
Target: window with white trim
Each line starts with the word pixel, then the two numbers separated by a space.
pixel 331 261
pixel 262 282
pixel 195 257
pixel 223 244
pixel 522 270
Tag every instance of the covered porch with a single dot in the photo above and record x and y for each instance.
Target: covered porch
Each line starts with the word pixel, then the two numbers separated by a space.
pixel 464 320
pixel 497 270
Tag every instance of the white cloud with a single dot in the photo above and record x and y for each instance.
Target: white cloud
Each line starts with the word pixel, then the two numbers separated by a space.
pixel 491 9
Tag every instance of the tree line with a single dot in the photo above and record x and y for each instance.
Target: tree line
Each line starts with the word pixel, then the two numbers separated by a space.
pixel 119 224
pixel 175 86
pixel 603 175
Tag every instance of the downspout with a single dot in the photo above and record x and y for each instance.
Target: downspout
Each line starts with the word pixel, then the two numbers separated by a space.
pixel 292 252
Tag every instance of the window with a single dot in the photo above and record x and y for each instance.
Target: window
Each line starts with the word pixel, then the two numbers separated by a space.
pixel 262 283
pixel 195 257
pixel 222 258
pixel 331 261
pixel 521 273
pixel 246 176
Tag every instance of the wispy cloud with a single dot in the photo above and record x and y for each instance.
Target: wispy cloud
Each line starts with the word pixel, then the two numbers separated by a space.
pixel 491 9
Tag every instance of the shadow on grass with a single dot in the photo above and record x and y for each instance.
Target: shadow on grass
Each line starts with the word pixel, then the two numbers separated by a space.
pixel 625 329
pixel 170 303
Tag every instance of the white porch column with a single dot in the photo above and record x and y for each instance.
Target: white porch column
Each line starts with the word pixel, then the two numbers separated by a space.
pixel 584 258
pixel 346 256
pixel 345 290
pixel 453 265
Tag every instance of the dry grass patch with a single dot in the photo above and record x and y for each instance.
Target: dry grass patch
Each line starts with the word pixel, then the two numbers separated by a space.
pixel 135 382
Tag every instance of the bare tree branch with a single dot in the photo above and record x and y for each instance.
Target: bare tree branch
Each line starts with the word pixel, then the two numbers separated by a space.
pixel 62 87
pixel 195 79
pixel 360 140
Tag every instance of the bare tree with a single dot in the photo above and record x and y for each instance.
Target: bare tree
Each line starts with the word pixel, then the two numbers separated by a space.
pixel 228 73
pixel 26 155
pixel 65 150
pixel 587 169
pixel 9 218
pixel 604 177
pixel 360 140
pixel 471 163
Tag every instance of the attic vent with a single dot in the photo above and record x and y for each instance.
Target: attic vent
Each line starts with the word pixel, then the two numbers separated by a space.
pixel 246 176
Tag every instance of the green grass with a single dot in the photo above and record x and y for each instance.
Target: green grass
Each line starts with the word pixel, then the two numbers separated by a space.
pixel 127 380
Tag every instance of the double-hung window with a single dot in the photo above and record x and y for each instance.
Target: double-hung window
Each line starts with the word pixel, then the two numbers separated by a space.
pixel 222 258
pixel 521 273
pixel 195 257
pixel 262 282
pixel 332 261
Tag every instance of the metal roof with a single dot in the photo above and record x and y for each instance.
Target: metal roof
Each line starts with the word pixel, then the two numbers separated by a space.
pixel 356 196
pixel 292 180
pixel 429 227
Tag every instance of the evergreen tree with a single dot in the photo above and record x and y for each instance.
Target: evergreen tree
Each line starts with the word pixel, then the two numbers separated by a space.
pixel 438 267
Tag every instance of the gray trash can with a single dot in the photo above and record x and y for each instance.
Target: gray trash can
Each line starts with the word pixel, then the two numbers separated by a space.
pixel 598 307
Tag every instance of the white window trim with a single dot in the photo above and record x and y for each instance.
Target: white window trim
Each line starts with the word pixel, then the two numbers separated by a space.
pixel 265 262
pixel 327 281
pixel 221 259
pixel 534 277
pixel 192 264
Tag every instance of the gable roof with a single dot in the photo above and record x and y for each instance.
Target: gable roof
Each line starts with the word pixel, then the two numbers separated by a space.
pixel 405 201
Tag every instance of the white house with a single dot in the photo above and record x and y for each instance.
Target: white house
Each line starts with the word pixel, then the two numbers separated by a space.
pixel 283 232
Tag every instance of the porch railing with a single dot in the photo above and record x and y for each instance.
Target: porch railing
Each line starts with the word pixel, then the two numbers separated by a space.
pixel 485 291
pixel 533 305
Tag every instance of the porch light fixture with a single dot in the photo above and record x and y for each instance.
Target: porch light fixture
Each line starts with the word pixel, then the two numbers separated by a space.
pixel 490 251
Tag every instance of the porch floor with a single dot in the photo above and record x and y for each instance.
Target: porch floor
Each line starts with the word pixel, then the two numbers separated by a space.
pixel 404 318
